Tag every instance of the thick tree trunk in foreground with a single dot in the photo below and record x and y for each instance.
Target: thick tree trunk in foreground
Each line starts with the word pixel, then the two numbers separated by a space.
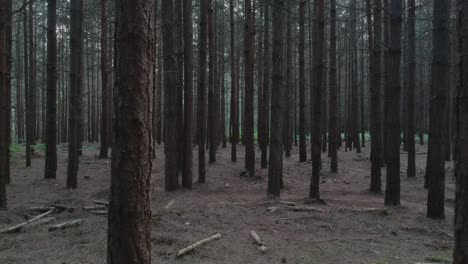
pixel 51 128
pixel 76 81
pixel 460 255
pixel 188 96
pixel 275 166
pixel 435 171
pixel 129 240
pixel 392 107
pixel 316 97
pixel 333 97
pixel 106 91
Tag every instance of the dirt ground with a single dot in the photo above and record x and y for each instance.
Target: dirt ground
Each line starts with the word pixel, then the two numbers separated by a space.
pixel 233 206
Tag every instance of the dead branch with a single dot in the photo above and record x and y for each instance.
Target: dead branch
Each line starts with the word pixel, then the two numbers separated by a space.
pixel 73 223
pixel 197 245
pixel 23 224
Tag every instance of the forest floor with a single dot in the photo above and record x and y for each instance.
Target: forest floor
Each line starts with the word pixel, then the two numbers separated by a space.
pixel 344 232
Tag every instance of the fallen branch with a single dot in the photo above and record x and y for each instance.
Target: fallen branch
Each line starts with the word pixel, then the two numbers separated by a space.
pixel 73 223
pixel 258 241
pixel 445 233
pixel 307 209
pixel 41 209
pixel 198 244
pixel 23 224
pixel 64 207
pixel 95 208
pixel 100 212
pixel 100 202
pixel 169 204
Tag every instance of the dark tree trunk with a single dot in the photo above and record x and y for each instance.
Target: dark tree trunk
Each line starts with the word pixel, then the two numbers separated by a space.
pixel 333 97
pixel 212 100
pixel 392 107
pixel 354 82
pixel 76 81
pixel 201 93
pixel 411 89
pixel 288 85
pixel 460 255
pixel 188 95
pixel 170 96
pixel 129 235
pixel 27 86
pixel 316 97
pixel 19 90
pixel 106 91
pixel 302 96
pixel 249 89
pixel 375 96
pixel 435 171
pixel 265 129
pixel 4 106
pixel 275 169
pixel 51 128
pixel 234 89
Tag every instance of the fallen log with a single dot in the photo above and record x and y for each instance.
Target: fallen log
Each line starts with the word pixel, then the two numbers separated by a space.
pixel 65 225
pixel 23 224
pixel 198 244
pixel 63 207
pixel 41 209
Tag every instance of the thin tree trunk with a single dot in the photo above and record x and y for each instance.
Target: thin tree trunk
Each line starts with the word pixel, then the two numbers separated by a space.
pixel 333 97
pixel 265 129
pixel 201 93
pixel 106 93
pixel 302 96
pixel 4 106
pixel 249 89
pixel 411 89
pixel 234 89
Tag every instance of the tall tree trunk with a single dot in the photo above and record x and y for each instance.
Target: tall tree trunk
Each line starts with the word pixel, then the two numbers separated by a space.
pixel 234 88
pixel 76 81
pixel 32 75
pixel 212 122
pixel 19 89
pixel 354 81
pixel 288 85
pixel 275 169
pixel 411 89
pixel 316 97
pixel 4 105
pixel 375 96
pixel 129 235
pixel 188 95
pixel 27 86
pixel 249 89
pixel 170 96
pixel 460 255
pixel 265 128
pixel 435 170
pixel 392 106
pixel 106 91
pixel 302 96
pixel 51 133
pixel 333 97
pixel 201 93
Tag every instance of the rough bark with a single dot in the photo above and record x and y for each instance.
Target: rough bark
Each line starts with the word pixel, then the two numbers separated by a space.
pixel 411 89
pixel 188 96
pixel 316 96
pixel 333 97
pixel 4 106
pixel 460 255
pixel 435 170
pixel 249 52
pixel 51 128
pixel 171 147
pixel 234 119
pixel 265 128
pixel 201 93
pixel 302 110
pixel 212 86
pixel 275 166
pixel 105 86
pixel 76 83
pixel 129 235
pixel 392 107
